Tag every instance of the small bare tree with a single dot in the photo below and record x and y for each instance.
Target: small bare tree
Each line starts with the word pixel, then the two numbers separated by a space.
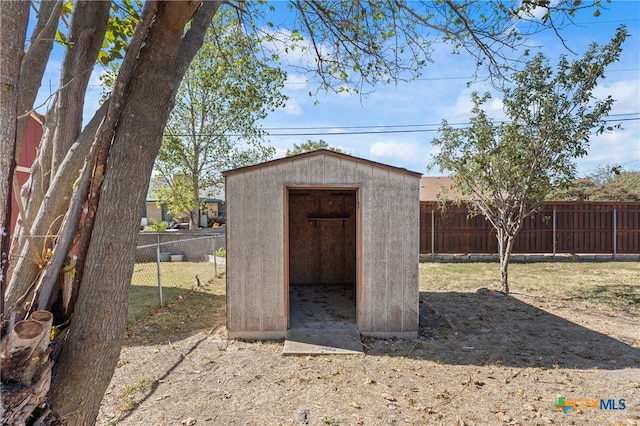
pixel 504 171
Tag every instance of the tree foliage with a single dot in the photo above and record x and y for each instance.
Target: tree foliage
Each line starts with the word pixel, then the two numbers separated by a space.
pixel 215 124
pixel 349 43
pixel 310 145
pixel 607 183
pixel 505 170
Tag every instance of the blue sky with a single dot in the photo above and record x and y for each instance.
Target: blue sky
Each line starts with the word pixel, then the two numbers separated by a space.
pixel 395 124
pixel 442 93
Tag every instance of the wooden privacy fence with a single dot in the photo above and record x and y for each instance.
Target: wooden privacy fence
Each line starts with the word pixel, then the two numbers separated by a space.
pixel 560 227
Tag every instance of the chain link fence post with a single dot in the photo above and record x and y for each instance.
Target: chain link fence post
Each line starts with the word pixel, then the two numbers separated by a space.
pixel 159 273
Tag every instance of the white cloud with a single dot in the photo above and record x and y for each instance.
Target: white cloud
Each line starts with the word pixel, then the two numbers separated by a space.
pixel 296 82
pixel 292 107
pixel 395 150
pixel 495 108
pixel 461 108
pixel 619 147
pixel 626 94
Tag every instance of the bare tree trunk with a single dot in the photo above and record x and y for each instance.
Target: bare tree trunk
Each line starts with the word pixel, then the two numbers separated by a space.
pixel 63 127
pixel 25 268
pixel 86 36
pixel 505 244
pixel 47 203
pixel 35 62
pixel 14 17
pixel 195 211
pixel 91 351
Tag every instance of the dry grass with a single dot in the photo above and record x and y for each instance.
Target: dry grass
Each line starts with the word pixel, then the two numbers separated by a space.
pixel 608 285
pixel 613 286
pixel 569 330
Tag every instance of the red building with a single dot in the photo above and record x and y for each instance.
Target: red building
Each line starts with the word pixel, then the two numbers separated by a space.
pixel 28 152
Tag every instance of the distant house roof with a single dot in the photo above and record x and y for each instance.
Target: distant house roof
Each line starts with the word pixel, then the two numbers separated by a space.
pixel 433 188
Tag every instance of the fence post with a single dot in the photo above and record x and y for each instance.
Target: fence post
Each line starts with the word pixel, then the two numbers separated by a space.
pixel 433 232
pixel 554 233
pixel 158 269
pixel 615 234
pixel 215 258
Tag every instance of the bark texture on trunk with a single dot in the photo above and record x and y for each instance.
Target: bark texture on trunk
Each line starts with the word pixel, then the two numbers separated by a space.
pixel 86 35
pixel 14 17
pixel 35 62
pixel 54 204
pixel 45 202
pixel 505 244
pixel 91 351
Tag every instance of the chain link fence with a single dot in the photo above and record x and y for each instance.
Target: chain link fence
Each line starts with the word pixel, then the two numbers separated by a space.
pixel 173 261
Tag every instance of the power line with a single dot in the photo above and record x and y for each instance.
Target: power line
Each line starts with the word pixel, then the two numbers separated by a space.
pixel 586 172
pixel 341 130
pixel 399 126
pixel 470 77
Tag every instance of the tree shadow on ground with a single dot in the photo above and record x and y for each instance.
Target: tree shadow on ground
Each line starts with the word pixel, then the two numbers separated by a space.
pixel 148 393
pixel 491 328
pixel 184 313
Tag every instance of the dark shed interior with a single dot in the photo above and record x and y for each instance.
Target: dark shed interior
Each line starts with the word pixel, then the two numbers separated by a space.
pixel 322 256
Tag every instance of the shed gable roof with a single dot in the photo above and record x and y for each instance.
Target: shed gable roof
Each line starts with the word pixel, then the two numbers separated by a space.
pixel 321 152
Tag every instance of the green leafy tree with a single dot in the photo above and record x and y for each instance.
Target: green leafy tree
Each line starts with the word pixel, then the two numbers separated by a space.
pixel 607 183
pixel 504 171
pixel 618 185
pixel 177 194
pixel 576 190
pixel 215 124
pixel 310 145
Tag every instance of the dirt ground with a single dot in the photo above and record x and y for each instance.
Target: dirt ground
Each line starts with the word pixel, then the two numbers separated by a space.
pixel 481 358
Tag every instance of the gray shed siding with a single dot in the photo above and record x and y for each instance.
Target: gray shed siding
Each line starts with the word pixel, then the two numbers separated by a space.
pixel 387 258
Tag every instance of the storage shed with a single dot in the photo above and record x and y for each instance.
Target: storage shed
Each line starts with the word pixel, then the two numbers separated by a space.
pixel 322 220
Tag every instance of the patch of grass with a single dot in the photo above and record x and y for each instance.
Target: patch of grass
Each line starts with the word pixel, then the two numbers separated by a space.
pixel 185 310
pixel 128 395
pixel 176 279
pixel 461 276
pixel 140 386
pixel 608 285
pixel 615 297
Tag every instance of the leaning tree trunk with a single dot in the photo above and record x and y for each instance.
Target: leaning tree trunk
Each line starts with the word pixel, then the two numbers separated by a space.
pixel 14 17
pixel 45 205
pixel 35 62
pixel 91 351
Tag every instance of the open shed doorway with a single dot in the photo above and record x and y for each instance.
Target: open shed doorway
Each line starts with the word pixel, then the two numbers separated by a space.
pixel 322 234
